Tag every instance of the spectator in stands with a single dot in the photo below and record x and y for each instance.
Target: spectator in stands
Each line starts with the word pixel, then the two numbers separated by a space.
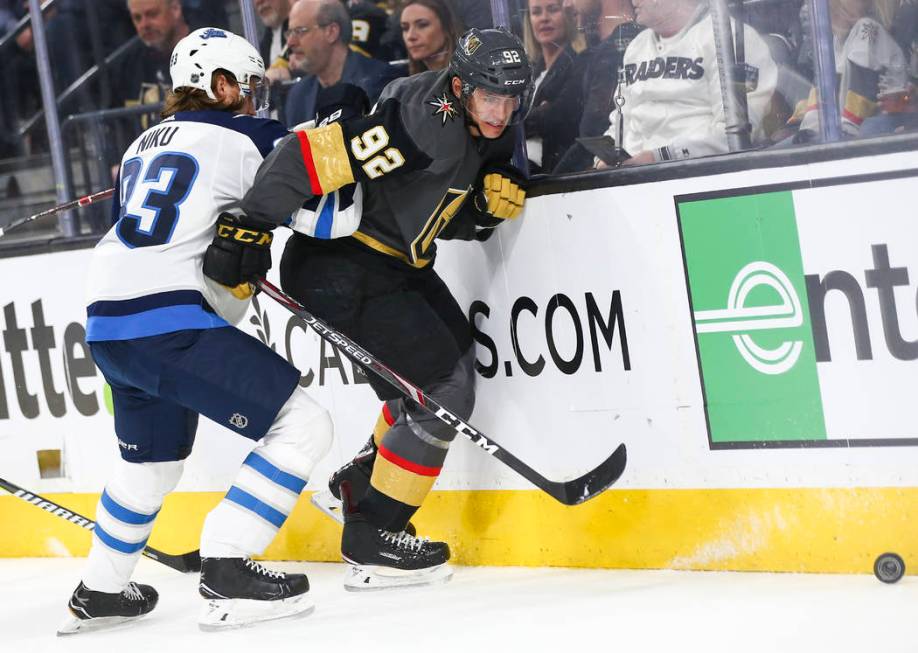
pixel 873 73
pixel 143 76
pixel 430 31
pixel 273 45
pixel 609 25
pixel 368 24
pixel 557 102
pixel 319 38
pixel 672 103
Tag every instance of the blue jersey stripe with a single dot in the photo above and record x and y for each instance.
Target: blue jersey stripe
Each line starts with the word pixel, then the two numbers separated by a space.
pixel 107 307
pixel 151 323
pixel 116 544
pixel 326 218
pixel 123 514
pixel 274 474
pixel 263 510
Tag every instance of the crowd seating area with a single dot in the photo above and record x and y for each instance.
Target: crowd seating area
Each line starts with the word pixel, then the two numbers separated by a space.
pixel 617 82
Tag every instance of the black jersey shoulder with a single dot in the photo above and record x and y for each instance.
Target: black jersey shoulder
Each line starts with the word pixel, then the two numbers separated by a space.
pixel 431 113
pixel 263 132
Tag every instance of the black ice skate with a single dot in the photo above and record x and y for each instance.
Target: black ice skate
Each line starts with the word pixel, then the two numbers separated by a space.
pixel 91 610
pixel 380 559
pixel 357 472
pixel 240 591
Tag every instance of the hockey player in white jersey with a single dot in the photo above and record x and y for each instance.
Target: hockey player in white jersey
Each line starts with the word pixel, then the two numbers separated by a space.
pixel 162 334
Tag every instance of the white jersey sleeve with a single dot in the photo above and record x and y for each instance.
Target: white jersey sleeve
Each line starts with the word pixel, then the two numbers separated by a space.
pixel 330 216
pixel 146 274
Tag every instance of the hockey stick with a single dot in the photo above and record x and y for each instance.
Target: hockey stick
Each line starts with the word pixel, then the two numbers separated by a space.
pixel 83 201
pixel 184 562
pixel 569 493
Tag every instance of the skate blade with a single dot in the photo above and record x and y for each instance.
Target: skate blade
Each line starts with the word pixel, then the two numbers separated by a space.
pixel 73 626
pixel 225 614
pixel 325 501
pixel 370 578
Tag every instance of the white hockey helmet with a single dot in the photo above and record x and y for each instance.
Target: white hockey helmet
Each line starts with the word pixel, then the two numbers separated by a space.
pixel 198 55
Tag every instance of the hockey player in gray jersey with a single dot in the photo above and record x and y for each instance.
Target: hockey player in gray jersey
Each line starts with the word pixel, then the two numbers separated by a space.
pixel 378 286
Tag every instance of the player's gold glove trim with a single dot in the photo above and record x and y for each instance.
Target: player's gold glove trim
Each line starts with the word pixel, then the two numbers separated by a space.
pixel 242 291
pixel 505 198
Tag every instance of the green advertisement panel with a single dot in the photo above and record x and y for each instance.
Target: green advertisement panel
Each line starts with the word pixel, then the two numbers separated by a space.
pixel 746 286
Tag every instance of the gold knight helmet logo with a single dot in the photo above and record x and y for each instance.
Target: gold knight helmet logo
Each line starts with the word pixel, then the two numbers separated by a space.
pixel 472 44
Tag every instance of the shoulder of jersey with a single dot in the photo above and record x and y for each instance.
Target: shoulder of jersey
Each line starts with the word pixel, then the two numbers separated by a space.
pixel 431 114
pixel 263 132
pixel 424 99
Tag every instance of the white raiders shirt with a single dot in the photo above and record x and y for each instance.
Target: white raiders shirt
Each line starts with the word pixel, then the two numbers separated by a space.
pixel 673 103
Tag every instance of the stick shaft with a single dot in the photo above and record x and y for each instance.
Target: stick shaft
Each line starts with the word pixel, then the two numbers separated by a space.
pixel 182 562
pixel 569 493
pixel 86 200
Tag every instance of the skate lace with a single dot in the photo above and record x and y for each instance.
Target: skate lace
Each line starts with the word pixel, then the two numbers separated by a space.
pixel 404 540
pixel 264 571
pixel 133 592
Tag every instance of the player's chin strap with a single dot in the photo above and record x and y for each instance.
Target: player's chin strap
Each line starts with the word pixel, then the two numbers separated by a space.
pixel 569 493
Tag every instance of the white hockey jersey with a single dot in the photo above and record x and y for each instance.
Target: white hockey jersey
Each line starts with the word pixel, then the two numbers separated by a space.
pixel 672 99
pixel 146 274
pixel 870 66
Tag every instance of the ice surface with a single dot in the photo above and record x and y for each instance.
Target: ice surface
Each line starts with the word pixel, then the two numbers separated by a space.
pixel 485 609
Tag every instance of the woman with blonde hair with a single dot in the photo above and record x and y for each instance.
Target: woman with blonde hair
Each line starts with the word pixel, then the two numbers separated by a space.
pixel 430 31
pixel 553 45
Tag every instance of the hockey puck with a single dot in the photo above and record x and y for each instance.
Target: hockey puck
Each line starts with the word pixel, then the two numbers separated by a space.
pixel 889 567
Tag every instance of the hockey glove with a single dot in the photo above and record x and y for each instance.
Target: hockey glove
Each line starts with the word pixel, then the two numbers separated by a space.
pixel 340 102
pixel 503 192
pixel 238 254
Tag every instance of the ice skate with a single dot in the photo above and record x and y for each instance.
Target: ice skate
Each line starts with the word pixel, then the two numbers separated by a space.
pixel 91 610
pixel 240 592
pixel 357 472
pixel 380 559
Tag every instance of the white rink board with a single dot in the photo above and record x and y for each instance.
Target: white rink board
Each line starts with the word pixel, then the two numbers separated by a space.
pixel 589 244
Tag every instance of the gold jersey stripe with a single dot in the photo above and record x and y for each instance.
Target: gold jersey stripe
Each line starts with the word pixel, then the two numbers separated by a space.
pixel 371 242
pixel 329 157
pixel 400 484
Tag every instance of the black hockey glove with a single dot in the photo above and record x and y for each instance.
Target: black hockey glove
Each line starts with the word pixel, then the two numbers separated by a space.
pixel 379 144
pixel 239 254
pixel 340 102
pixel 502 192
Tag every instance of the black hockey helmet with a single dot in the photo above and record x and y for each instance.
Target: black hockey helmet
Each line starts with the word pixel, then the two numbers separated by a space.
pixel 493 60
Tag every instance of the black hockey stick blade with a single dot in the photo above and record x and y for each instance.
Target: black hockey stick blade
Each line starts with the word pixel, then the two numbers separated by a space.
pixel 183 562
pixel 594 482
pixel 569 493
